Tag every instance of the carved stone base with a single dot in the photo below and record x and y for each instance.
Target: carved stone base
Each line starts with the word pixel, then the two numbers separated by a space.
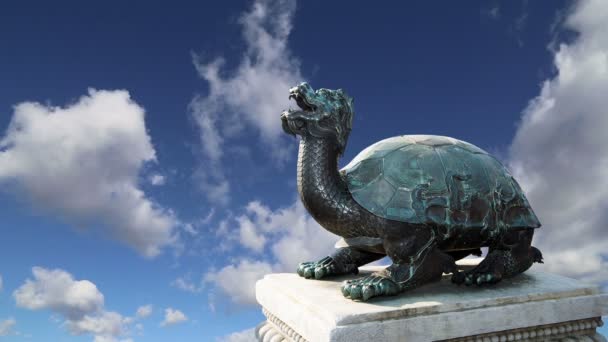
pixel 574 331
pixel 535 306
pixel 580 330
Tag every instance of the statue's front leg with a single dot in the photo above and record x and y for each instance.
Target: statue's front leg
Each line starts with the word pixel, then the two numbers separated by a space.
pixel 343 261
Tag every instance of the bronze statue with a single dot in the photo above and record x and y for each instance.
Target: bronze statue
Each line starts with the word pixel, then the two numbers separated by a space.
pixel 422 200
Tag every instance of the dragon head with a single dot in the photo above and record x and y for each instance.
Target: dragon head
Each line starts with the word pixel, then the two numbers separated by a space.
pixel 323 113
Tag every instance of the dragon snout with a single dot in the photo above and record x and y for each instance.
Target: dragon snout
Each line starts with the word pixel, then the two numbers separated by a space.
pixel 303 97
pixel 294 121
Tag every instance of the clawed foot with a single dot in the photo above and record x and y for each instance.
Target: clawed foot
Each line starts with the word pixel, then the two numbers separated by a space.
pixel 499 264
pixel 476 278
pixel 370 286
pixel 325 267
pixel 487 272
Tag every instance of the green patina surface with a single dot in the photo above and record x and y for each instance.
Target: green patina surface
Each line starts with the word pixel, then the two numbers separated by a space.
pixel 437 180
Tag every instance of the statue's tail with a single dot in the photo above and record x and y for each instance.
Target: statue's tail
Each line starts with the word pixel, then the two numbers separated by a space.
pixel 537 256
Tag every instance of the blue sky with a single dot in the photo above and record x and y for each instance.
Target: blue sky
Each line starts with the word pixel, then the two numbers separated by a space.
pixel 145 183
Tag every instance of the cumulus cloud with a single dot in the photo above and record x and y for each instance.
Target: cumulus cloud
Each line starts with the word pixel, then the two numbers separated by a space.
pixel 559 152
pixel 247 335
pixel 78 301
pixel 238 281
pixel 249 235
pixel 289 233
pixel 82 162
pixel 105 325
pixel 144 311
pixel 57 291
pixel 6 326
pixel 157 179
pixel 253 95
pixel 172 317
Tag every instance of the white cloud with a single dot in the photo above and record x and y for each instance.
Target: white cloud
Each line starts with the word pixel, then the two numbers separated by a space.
pixel 208 218
pixel 559 152
pixel 173 316
pixel 193 228
pixel 247 335
pixel 82 162
pixel 157 179
pixel 213 182
pixel 238 281
pixel 295 237
pixel 6 326
pixel 252 95
pixel 185 284
pixel 295 234
pixel 248 235
pixel 144 311
pixel 57 290
pixel 78 301
pixel 104 325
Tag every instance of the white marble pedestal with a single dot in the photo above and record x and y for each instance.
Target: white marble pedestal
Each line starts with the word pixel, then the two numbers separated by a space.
pixel 534 306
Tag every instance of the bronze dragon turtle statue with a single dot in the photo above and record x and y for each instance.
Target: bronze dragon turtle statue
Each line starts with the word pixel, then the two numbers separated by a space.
pixel 424 201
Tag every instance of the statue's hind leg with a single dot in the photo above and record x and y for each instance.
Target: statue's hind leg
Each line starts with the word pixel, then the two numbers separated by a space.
pixel 342 261
pixel 512 256
pixel 416 261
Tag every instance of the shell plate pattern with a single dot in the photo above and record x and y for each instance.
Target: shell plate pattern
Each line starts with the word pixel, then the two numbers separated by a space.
pixel 428 179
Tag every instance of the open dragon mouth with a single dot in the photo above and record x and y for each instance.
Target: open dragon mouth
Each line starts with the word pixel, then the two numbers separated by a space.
pixel 302 102
pixel 294 121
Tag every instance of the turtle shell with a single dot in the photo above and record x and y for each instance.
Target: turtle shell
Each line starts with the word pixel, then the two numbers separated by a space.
pixel 428 179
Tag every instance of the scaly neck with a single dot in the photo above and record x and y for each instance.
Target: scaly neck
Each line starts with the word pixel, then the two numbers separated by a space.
pixel 322 189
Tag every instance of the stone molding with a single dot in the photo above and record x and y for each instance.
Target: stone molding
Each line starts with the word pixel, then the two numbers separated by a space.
pixel 275 330
pixel 579 330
